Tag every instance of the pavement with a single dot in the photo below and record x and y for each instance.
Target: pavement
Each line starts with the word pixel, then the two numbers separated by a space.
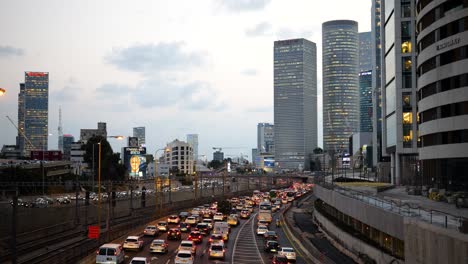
pixel 299 217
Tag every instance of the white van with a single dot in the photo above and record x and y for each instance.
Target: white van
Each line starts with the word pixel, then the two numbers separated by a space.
pixel 110 254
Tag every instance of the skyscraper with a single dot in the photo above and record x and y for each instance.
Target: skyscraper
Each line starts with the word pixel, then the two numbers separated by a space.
pixel 365 51
pixel 399 104
pixel 67 144
pixel 340 58
pixel 266 138
pixel 443 94
pixel 33 112
pixel 140 133
pixel 365 101
pixel 295 102
pixel 192 139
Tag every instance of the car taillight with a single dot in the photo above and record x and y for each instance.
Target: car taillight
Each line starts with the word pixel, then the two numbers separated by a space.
pixel 144 231
pixel 115 253
pixel 97 252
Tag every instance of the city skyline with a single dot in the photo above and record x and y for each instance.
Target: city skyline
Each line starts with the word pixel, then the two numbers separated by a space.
pixel 84 74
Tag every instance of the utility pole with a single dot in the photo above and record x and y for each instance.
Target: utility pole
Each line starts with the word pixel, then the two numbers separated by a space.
pixel 13 228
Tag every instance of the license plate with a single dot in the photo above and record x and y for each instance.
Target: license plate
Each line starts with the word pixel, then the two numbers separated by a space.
pixel 109 259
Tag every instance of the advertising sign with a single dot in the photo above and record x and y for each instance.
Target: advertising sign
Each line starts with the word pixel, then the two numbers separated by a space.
pixel 269 163
pixel 135 161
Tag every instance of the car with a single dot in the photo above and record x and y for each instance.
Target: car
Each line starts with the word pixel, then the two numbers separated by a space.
pixel 151 230
pixel 196 237
pixel 271 246
pixel 162 226
pixel 159 246
pixel 234 200
pixel 207 213
pixel 232 220
pixel 277 204
pixel 263 222
pixel 284 200
pixel 288 252
pixel 249 207
pixel 191 220
pixel 218 217
pixel 239 206
pixel 139 260
pixel 209 222
pixel 244 214
pixel 110 253
pixel 270 235
pixel 277 259
pixel 188 245
pixel 217 251
pixel 184 227
pixel 173 219
pixel 216 238
pixel 195 210
pixel 183 215
pixel 262 229
pixel 184 257
pixel 133 242
pixel 203 228
pixel 174 234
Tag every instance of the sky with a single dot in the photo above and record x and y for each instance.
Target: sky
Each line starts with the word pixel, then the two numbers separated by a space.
pixel 176 67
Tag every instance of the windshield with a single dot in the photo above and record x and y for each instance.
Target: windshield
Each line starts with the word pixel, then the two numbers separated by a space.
pixel 217 248
pixel 288 250
pixel 186 244
pixel 138 262
pixel 131 240
pixel 184 255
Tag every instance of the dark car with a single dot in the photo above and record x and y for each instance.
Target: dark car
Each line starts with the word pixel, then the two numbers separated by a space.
pixel 174 234
pixel 183 216
pixel 271 246
pixel 184 227
pixel 203 228
pixel 270 235
pixel 279 260
pixel 196 237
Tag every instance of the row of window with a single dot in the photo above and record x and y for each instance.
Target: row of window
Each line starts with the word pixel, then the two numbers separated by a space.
pixel 445 31
pixel 442 138
pixel 447 57
pixel 441 11
pixel 446 84
pixel 444 111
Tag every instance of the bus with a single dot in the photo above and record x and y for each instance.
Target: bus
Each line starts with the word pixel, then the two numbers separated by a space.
pixel 264 211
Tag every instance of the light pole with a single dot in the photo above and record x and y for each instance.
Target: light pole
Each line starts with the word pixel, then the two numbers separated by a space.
pixel 44 148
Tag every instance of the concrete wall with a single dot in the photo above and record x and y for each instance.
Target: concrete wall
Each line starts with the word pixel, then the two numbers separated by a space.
pixel 426 243
pixel 378 218
pixel 352 244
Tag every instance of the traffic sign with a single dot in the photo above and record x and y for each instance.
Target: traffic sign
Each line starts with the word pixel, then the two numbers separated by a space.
pixel 93 232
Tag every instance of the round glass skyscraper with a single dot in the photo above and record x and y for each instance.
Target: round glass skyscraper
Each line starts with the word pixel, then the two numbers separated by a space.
pixel 340 60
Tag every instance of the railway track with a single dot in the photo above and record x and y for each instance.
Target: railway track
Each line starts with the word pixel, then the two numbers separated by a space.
pixel 245 249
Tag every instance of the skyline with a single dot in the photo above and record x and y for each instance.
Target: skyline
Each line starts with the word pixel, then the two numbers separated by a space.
pixel 122 64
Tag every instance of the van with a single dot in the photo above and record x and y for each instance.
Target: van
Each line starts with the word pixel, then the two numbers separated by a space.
pixel 110 254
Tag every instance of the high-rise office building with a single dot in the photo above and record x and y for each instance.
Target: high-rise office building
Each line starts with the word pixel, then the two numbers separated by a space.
pixel 295 102
pixel 33 112
pixel 192 139
pixel 340 59
pixel 399 104
pixel 265 138
pixel 140 133
pixel 443 93
pixel 67 144
pixel 365 51
pixel 365 101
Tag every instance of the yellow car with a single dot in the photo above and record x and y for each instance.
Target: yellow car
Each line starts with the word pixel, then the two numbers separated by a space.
pixel 233 220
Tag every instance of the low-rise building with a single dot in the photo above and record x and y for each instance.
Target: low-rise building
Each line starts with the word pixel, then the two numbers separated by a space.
pixel 179 156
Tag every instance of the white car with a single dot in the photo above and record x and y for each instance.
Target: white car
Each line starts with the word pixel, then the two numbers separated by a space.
pixel 173 219
pixel 217 251
pixel 191 220
pixel 288 252
pixel 133 242
pixel 151 230
pixel 209 222
pixel 262 229
pixel 162 226
pixel 188 245
pixel 110 254
pixel 218 217
pixel 184 257
pixel 159 246
pixel 139 260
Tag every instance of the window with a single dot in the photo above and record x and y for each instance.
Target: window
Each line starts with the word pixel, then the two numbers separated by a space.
pixel 407 63
pixel 407 136
pixel 406 102
pixel 405 8
pixel 406 30
pixel 406 47
pixel 428 65
pixel 407 81
pixel 407 118
pixel 427 41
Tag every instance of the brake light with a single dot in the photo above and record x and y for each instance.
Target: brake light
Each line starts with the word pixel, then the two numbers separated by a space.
pixel 144 231
pixel 97 252
pixel 115 253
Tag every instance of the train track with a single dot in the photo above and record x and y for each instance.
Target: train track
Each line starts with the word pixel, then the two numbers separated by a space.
pixel 245 249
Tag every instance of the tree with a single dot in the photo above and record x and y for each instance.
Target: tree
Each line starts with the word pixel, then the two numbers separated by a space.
pixel 215 164
pixel 318 150
pixel 110 167
pixel 224 207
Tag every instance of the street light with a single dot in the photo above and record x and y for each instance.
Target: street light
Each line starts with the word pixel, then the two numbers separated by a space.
pixel 44 148
pixel 2 92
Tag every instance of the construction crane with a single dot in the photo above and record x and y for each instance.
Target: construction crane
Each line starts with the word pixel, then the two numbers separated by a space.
pixel 221 148
pixel 21 132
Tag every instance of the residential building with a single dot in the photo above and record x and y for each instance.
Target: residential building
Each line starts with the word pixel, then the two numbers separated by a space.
pixel 86 134
pixel 33 112
pixel 67 143
pixel 179 155
pixel 255 153
pixel 295 103
pixel 192 139
pixel 442 70
pixel 140 133
pixel 399 104
pixel 77 158
pixel 365 51
pixel 218 155
pixel 266 138
pixel 340 59
pixel 365 101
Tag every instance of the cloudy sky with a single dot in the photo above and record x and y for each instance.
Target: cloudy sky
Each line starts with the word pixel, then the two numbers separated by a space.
pixel 173 66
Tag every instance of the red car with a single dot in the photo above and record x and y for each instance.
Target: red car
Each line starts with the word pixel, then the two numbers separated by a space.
pixel 196 237
pixel 279 260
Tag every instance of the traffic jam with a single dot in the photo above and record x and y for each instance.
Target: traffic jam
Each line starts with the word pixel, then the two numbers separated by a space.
pixel 209 233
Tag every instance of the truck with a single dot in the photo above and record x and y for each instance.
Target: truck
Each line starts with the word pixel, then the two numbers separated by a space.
pixel 222 228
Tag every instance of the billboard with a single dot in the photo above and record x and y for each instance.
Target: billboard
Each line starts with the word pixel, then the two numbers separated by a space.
pixel 269 163
pixel 135 161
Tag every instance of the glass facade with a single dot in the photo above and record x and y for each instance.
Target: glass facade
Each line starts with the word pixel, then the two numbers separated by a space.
pixel 266 138
pixel 140 133
pixel 20 139
pixel 365 101
pixel 340 60
pixel 365 51
pixel 295 102
pixel 36 111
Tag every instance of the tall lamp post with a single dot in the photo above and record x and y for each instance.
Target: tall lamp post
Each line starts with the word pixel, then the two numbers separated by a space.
pixel 44 148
